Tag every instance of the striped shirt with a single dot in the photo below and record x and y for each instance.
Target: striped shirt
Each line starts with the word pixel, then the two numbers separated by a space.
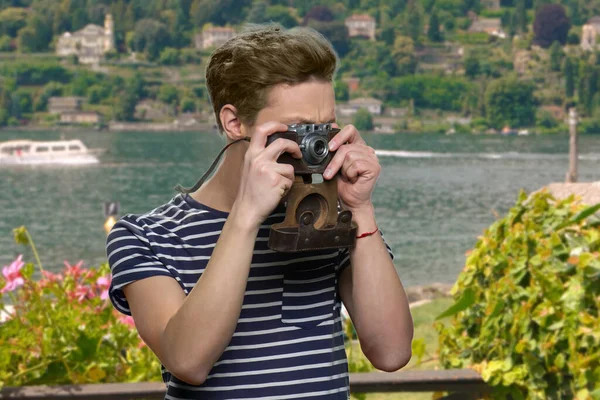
pixel 288 343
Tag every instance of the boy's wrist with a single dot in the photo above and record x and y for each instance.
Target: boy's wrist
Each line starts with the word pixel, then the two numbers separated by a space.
pixel 243 220
pixel 365 219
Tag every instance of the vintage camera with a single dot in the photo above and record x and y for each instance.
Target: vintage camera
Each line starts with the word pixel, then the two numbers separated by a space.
pixel 313 140
pixel 313 220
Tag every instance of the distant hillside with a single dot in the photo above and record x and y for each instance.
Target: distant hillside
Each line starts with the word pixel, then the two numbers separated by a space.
pixel 498 62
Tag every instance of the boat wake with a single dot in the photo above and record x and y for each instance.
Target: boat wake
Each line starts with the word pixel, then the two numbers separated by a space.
pixel 488 156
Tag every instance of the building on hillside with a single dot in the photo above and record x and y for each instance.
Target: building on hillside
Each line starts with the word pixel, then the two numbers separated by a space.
pixel 589 34
pixel 59 105
pixel 213 36
pixel 370 104
pixel 352 83
pixel 397 111
pixel 88 44
pixel 491 26
pixel 80 117
pixel 361 25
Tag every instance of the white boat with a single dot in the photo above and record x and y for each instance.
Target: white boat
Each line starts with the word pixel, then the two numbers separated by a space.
pixel 15 152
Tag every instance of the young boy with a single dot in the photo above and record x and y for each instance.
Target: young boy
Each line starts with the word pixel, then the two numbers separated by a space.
pixel 228 317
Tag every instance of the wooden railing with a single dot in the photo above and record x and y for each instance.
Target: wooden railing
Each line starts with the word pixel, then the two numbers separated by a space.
pixel 459 383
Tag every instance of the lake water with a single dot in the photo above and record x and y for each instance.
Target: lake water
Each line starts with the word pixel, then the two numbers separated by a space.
pixel 435 196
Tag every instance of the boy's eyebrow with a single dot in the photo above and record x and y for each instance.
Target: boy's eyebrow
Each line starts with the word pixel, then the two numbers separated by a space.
pixel 302 120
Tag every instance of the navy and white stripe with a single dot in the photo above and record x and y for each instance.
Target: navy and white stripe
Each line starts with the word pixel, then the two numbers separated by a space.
pixel 288 343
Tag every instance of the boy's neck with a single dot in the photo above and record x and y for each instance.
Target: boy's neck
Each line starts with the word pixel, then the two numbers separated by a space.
pixel 220 191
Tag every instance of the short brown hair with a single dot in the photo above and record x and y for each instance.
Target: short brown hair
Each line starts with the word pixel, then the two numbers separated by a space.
pixel 243 70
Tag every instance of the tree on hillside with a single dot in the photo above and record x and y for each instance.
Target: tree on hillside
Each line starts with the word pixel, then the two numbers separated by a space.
pixel 472 65
pixel 574 12
pixel 201 12
pixel 569 70
pixel 12 19
pixel 341 91
pixel 219 12
pixel 319 13
pixel 388 34
pixel 551 24
pixel 506 19
pixel 537 4
pixel 363 120
pixel 151 37
pixel 556 56
pixel 128 97
pixel 520 16
pixel 582 73
pixel 35 36
pixel 511 102
pixel 413 22
pixel 281 15
pixel 257 12
pixel 587 88
pixel 180 26
pixel 168 94
pixel 336 32
pixel 124 106
pixel 404 57
pixel 433 33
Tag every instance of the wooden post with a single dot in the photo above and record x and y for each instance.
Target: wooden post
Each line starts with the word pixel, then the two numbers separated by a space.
pixel 573 153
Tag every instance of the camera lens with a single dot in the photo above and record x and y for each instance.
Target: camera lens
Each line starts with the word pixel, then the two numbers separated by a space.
pixel 315 149
pixel 320 147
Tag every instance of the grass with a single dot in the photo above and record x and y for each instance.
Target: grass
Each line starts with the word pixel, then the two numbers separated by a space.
pixel 423 318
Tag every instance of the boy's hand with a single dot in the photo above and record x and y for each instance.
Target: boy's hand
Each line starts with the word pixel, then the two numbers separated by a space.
pixel 264 181
pixel 359 167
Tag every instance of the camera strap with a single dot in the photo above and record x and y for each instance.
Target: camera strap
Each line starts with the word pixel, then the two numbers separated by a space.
pixel 200 182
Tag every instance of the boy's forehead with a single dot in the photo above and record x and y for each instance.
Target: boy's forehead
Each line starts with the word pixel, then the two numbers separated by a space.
pixel 310 102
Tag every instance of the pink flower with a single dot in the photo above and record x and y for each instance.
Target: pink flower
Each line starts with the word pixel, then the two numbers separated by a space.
pixel 52 277
pixel 74 270
pixel 103 284
pixel 82 292
pixel 49 279
pixel 12 274
pixel 127 320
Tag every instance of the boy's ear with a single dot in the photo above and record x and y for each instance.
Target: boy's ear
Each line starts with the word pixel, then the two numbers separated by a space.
pixel 232 126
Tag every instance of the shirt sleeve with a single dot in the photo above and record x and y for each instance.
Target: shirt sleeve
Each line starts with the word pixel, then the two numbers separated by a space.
pixel 130 258
pixel 345 256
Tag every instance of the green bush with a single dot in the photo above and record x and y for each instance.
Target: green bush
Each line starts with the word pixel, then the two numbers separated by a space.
pixel 190 56
pixel 470 38
pixel 170 56
pixel 491 13
pixel 363 120
pixel 63 329
pixel 560 128
pixel 188 105
pixel 429 91
pixel 590 126
pixel 527 303
pixel 31 73
pixel 168 94
pixel 545 119
pixel 6 43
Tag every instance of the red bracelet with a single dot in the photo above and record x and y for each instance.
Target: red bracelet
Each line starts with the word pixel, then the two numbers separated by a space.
pixel 368 234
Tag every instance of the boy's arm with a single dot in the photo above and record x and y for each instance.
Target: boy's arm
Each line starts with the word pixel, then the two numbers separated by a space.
pixel 375 299
pixel 189 334
pixel 370 287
